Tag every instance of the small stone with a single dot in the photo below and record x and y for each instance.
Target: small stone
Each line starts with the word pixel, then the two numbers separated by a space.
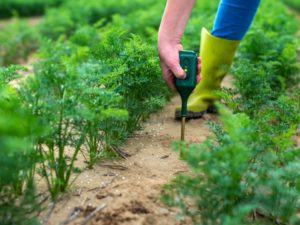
pixel 163 211
pixel 164 156
pixel 109 174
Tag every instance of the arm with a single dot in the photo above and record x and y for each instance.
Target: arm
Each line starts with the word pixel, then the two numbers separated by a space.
pixel 175 18
pixel 234 17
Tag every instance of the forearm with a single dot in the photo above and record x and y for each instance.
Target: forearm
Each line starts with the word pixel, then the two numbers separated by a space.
pixel 175 18
pixel 172 26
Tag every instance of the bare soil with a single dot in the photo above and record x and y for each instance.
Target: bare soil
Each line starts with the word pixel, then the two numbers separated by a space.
pixel 128 190
pixel 32 21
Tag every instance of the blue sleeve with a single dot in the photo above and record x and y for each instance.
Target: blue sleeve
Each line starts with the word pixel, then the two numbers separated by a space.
pixel 234 17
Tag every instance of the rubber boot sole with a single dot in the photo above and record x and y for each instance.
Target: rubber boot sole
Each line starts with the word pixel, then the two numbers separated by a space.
pixel 196 115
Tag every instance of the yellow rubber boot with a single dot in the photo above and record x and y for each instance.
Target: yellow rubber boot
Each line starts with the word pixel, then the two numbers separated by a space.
pixel 216 56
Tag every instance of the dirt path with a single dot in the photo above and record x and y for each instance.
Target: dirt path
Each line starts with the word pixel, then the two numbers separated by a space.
pixel 297 15
pixel 32 21
pixel 130 189
pixel 126 192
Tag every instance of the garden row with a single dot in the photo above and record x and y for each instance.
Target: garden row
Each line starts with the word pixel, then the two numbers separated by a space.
pixel 136 16
pixel 19 39
pixel 248 171
pixel 22 8
pixel 94 84
pixel 98 78
pixel 293 3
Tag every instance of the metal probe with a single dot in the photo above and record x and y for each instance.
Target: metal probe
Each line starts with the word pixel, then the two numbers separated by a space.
pixel 182 128
pixel 188 62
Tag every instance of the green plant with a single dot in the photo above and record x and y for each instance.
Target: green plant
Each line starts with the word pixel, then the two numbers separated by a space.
pixel 276 51
pixel 18 131
pixel 50 98
pixel 135 74
pixel 9 74
pixel 203 16
pixel 63 21
pixel 120 58
pixel 59 23
pixel 18 40
pixel 68 101
pixel 105 129
pixel 267 64
pixel 235 180
pixel 293 3
pixel 255 85
pixel 145 26
pixel 86 36
pixel 9 8
pixel 247 172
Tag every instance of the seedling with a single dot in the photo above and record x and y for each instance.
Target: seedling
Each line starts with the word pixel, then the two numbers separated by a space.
pixel 188 61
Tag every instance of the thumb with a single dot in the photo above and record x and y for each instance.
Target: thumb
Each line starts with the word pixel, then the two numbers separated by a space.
pixel 177 70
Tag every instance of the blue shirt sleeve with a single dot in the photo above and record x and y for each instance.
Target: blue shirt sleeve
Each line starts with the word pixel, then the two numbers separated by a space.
pixel 234 17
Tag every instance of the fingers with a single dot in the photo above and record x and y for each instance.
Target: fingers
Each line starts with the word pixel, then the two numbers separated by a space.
pixel 170 65
pixel 168 76
pixel 199 70
pixel 175 67
pixel 168 73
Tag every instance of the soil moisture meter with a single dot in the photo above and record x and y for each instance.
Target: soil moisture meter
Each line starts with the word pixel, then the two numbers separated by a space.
pixel 188 62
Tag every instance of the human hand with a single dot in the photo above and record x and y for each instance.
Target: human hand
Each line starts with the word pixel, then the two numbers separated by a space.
pixel 173 23
pixel 169 62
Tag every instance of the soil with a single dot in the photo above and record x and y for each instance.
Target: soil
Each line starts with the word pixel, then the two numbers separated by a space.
pixel 129 189
pixel 125 191
pixel 32 21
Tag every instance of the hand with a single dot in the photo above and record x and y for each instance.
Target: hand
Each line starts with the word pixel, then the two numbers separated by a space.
pixel 169 62
pixel 173 23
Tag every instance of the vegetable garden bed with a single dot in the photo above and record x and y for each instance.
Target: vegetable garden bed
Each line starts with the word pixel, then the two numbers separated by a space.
pixel 97 81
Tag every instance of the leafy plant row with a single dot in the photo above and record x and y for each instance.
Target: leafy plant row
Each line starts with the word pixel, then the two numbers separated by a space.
pixel 9 8
pixel 247 171
pixel 18 129
pixel 63 21
pixel 94 84
pixel 293 3
pixel 87 94
pixel 20 39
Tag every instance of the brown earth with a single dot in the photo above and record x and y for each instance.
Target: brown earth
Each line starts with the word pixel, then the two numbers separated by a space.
pixel 32 21
pixel 128 190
